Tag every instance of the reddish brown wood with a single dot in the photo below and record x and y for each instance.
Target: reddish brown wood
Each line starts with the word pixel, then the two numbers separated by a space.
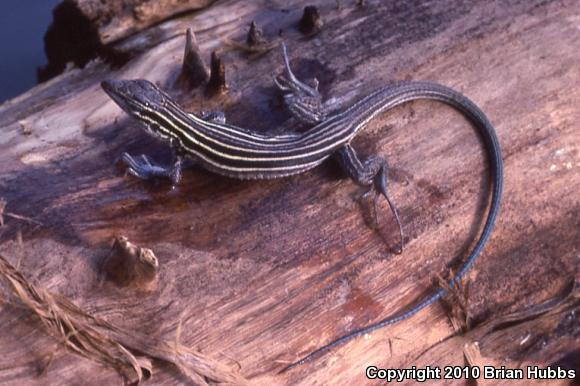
pixel 256 274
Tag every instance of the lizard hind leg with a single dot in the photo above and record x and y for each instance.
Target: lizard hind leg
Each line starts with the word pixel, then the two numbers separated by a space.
pixel 302 100
pixel 381 186
pixel 372 172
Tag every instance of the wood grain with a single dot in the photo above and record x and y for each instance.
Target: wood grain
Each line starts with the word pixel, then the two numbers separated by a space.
pixel 257 274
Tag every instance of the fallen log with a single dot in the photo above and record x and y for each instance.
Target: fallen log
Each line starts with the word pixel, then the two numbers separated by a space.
pixel 256 274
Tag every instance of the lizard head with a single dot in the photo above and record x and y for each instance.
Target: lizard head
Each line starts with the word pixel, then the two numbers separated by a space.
pixel 142 100
pixel 135 96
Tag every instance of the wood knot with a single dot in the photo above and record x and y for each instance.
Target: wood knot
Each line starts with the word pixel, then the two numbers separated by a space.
pixel 129 265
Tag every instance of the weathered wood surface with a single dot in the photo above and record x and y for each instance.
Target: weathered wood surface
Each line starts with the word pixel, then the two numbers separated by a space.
pixel 84 29
pixel 119 19
pixel 257 274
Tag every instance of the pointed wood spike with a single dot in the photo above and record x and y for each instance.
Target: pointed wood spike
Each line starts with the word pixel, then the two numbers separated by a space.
pixel 194 72
pixel 255 37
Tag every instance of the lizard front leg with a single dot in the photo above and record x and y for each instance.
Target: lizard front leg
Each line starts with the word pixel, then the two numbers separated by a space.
pixel 371 172
pixel 142 167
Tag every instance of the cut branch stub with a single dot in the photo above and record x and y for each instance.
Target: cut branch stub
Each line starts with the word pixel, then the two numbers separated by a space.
pixel 194 72
pixel 255 44
pixel 217 80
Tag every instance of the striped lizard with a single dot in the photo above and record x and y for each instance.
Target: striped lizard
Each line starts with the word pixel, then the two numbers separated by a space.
pixel 239 153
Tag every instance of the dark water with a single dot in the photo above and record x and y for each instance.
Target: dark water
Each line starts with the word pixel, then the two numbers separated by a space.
pixel 22 27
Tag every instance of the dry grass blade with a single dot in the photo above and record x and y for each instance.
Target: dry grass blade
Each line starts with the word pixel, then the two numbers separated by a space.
pixel 67 323
pixel 98 340
pixel 3 213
